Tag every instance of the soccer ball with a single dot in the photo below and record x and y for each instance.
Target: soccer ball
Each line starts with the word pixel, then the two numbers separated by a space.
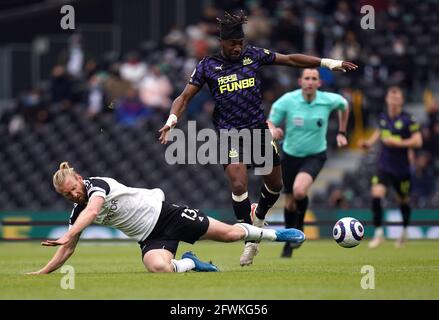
pixel 348 232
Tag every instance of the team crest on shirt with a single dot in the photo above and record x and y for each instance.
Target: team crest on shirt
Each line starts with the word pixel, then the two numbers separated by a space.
pixel 247 61
pixel 398 124
pixel 267 51
pixel 233 153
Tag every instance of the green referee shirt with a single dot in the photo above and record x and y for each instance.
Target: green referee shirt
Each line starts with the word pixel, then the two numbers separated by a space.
pixel 306 123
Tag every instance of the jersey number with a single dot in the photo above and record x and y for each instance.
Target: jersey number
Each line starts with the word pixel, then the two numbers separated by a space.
pixel 190 214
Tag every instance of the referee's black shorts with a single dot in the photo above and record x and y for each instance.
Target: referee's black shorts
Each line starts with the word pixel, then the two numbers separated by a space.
pixel 176 223
pixel 291 166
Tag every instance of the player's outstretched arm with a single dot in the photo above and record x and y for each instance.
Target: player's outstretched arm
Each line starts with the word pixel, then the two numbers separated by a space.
pixel 305 61
pixel 366 144
pixel 178 107
pixel 85 218
pixel 61 256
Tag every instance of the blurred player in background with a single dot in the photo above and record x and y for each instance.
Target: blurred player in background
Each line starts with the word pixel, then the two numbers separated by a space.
pixel 233 80
pixel 305 113
pixel 144 215
pixel 398 132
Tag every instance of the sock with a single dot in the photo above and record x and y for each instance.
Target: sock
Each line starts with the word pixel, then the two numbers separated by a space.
pixel 290 218
pixel 406 211
pixel 242 207
pixel 266 200
pixel 183 265
pixel 377 210
pixel 404 233
pixel 379 232
pixel 302 206
pixel 253 233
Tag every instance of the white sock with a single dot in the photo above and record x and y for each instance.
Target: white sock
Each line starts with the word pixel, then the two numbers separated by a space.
pixel 379 232
pixel 183 265
pixel 403 233
pixel 253 233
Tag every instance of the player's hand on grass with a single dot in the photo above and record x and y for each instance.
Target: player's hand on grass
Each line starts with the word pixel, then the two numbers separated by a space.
pixel 342 141
pixel 60 242
pixel 33 273
pixel 346 66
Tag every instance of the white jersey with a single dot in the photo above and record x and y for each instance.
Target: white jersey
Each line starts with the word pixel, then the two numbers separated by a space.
pixel 134 211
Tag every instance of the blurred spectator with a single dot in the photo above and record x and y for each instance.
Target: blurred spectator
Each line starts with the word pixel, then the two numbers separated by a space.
pixel 423 182
pixel 210 14
pixel 155 90
pixel 76 57
pixel 95 96
pixel 33 108
pixel 115 87
pixel 337 199
pixel 202 102
pixel 197 45
pixel 258 28
pixel 313 39
pixel 60 88
pixel 287 33
pixel 130 111
pixel 133 70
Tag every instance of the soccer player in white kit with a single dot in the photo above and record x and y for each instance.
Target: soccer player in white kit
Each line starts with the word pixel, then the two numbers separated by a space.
pixel 144 215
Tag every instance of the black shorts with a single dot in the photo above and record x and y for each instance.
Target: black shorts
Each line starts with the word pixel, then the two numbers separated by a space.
pixel 401 183
pixel 291 166
pixel 253 152
pixel 176 223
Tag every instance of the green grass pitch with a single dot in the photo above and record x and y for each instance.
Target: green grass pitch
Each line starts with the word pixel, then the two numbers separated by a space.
pixel 319 270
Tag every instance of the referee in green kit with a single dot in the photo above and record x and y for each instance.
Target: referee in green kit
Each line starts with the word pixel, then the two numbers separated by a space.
pixel 305 113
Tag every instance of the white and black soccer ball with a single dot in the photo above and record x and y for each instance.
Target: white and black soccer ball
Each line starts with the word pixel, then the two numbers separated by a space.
pixel 348 232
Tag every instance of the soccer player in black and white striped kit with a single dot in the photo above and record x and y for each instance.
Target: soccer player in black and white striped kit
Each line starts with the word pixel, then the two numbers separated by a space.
pixel 145 215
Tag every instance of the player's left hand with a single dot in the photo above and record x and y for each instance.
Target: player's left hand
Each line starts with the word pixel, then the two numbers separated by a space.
pixel 342 141
pixel 346 66
pixel 392 142
pixel 65 239
pixel 33 273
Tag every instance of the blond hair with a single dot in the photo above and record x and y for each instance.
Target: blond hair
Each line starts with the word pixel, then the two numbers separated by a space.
pixel 60 176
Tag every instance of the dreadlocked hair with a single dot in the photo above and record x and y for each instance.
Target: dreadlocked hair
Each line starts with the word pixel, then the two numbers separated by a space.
pixel 232 20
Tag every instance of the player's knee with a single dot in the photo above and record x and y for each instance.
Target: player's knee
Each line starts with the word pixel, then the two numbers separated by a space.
pixel 160 266
pixel 238 187
pixel 299 193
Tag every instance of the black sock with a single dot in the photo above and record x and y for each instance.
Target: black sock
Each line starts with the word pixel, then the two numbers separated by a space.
pixel 242 210
pixel 406 211
pixel 290 218
pixel 377 210
pixel 302 206
pixel 266 200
